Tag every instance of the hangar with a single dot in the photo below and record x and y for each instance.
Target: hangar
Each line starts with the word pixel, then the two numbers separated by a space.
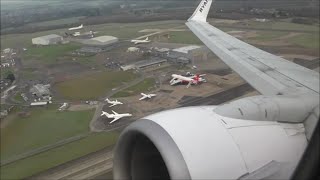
pixel 47 40
pixel 101 41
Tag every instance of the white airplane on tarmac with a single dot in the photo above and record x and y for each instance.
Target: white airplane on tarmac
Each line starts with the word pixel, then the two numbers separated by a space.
pixel 115 116
pixel 136 41
pixel 273 135
pixel 114 103
pixel 76 34
pixel 144 96
pixel 194 79
pixel 76 28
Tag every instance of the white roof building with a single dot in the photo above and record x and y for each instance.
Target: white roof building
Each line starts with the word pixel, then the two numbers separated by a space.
pixel 39 103
pixel 47 40
pixel 133 49
pixel 101 41
pixel 186 49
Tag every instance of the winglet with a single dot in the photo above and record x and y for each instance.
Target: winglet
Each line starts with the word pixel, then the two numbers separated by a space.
pixel 201 13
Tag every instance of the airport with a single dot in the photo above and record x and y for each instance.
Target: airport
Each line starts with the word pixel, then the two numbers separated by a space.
pixel 84 83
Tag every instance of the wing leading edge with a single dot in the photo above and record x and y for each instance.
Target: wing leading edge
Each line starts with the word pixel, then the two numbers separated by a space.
pixel 269 74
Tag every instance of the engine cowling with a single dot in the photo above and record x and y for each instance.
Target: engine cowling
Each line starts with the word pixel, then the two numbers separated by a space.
pixel 197 143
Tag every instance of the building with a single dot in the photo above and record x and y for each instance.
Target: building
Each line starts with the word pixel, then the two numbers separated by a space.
pixel 143 64
pixel 47 40
pixel 133 49
pixel 39 103
pixel 40 90
pixel 101 41
pixel 7 51
pixel 186 49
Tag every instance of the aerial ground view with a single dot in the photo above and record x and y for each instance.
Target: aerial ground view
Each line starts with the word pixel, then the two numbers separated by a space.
pixel 73 78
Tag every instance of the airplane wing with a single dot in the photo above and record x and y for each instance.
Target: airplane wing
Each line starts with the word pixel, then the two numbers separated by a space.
pixel 143 98
pixel 112 105
pixel 115 113
pixel 115 119
pixel 174 82
pixel 267 73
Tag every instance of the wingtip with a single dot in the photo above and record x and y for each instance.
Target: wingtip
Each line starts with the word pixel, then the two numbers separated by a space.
pixel 201 13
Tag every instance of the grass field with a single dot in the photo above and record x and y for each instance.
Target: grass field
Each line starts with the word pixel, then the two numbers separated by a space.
pixel 57 22
pixel 122 31
pixel 41 162
pixel 5 71
pixel 268 36
pixel 281 25
pixel 183 37
pixel 48 54
pixel 131 30
pixel 145 85
pixel 18 97
pixel 306 40
pixel 93 86
pixel 44 126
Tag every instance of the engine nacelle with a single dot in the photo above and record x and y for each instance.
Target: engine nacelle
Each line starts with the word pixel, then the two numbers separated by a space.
pixel 197 143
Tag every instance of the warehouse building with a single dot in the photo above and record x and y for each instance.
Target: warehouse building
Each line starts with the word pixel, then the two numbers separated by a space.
pixel 101 41
pixel 144 64
pixel 40 90
pixel 47 40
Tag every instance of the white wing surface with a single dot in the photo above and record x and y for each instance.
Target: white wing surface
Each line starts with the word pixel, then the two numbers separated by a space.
pixel 115 119
pixel 269 74
pixel 115 113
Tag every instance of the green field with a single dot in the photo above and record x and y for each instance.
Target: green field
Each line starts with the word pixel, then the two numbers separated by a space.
pixel 183 37
pixel 280 25
pixel 121 30
pixel 306 40
pixel 268 35
pixel 5 71
pixel 44 126
pixel 50 53
pixel 18 98
pixel 57 22
pixel 41 162
pixel 131 30
pixel 146 85
pixel 93 86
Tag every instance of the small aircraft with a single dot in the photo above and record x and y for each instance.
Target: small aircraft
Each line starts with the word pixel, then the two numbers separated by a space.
pixel 144 96
pixel 63 107
pixel 136 41
pixel 192 79
pixel 76 34
pixel 115 115
pixel 114 103
pixel 76 28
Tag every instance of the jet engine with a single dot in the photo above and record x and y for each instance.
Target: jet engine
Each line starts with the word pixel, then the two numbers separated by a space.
pixel 199 143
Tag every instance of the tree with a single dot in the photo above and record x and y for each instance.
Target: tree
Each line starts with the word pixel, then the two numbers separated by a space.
pixel 11 77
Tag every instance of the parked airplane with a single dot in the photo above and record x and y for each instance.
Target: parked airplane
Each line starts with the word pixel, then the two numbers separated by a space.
pixel 269 136
pixel 63 107
pixel 114 103
pixel 193 79
pixel 115 116
pixel 76 28
pixel 76 34
pixel 136 41
pixel 144 96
